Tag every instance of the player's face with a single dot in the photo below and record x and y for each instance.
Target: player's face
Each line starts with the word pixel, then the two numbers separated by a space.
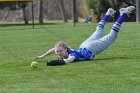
pixel 62 52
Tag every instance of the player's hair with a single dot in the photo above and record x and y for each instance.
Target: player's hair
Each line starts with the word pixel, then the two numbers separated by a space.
pixel 62 44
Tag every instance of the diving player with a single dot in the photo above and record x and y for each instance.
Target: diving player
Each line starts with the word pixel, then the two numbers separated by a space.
pixel 92 46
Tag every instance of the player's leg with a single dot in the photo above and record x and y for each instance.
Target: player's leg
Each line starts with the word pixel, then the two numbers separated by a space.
pixel 99 29
pixel 103 43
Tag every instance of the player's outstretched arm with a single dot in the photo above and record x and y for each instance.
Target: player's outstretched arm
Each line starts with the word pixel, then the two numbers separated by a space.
pixel 51 51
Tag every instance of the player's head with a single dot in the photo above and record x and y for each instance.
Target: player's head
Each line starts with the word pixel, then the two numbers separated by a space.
pixel 61 49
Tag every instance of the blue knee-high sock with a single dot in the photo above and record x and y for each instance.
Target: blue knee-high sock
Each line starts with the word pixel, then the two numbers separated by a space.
pixel 121 18
pixel 102 23
pixel 118 23
pixel 105 18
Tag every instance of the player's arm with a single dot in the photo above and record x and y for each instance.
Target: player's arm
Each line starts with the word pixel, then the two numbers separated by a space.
pixel 51 51
pixel 69 59
pixel 61 61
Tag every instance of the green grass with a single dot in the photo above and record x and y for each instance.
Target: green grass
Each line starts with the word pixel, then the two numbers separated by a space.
pixel 116 70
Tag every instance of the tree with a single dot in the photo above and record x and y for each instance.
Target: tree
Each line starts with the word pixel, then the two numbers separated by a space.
pixel 25 13
pixel 11 5
pixel 61 2
pixel 17 5
pixel 87 7
pixel 99 8
pixel 41 12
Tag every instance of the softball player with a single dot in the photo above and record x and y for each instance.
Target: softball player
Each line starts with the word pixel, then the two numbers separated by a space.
pixel 92 46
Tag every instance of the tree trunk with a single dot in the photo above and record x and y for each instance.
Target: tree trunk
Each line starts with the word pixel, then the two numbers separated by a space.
pixel 41 12
pixel 63 10
pixel 25 15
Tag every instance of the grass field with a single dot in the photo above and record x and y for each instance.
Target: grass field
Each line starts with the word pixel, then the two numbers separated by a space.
pixel 116 70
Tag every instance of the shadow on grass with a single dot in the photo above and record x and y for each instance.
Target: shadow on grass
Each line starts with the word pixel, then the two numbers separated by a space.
pixel 22 26
pixel 30 24
pixel 113 58
pixel 96 59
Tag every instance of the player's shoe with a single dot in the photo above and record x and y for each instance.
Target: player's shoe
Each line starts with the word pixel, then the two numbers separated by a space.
pixel 110 12
pixel 127 10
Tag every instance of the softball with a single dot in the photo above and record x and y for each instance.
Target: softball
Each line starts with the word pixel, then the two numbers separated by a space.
pixel 34 64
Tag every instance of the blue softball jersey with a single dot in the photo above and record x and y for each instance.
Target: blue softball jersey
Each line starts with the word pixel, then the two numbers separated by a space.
pixel 80 54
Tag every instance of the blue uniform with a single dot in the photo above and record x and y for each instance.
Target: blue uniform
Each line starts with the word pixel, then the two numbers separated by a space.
pixel 80 54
